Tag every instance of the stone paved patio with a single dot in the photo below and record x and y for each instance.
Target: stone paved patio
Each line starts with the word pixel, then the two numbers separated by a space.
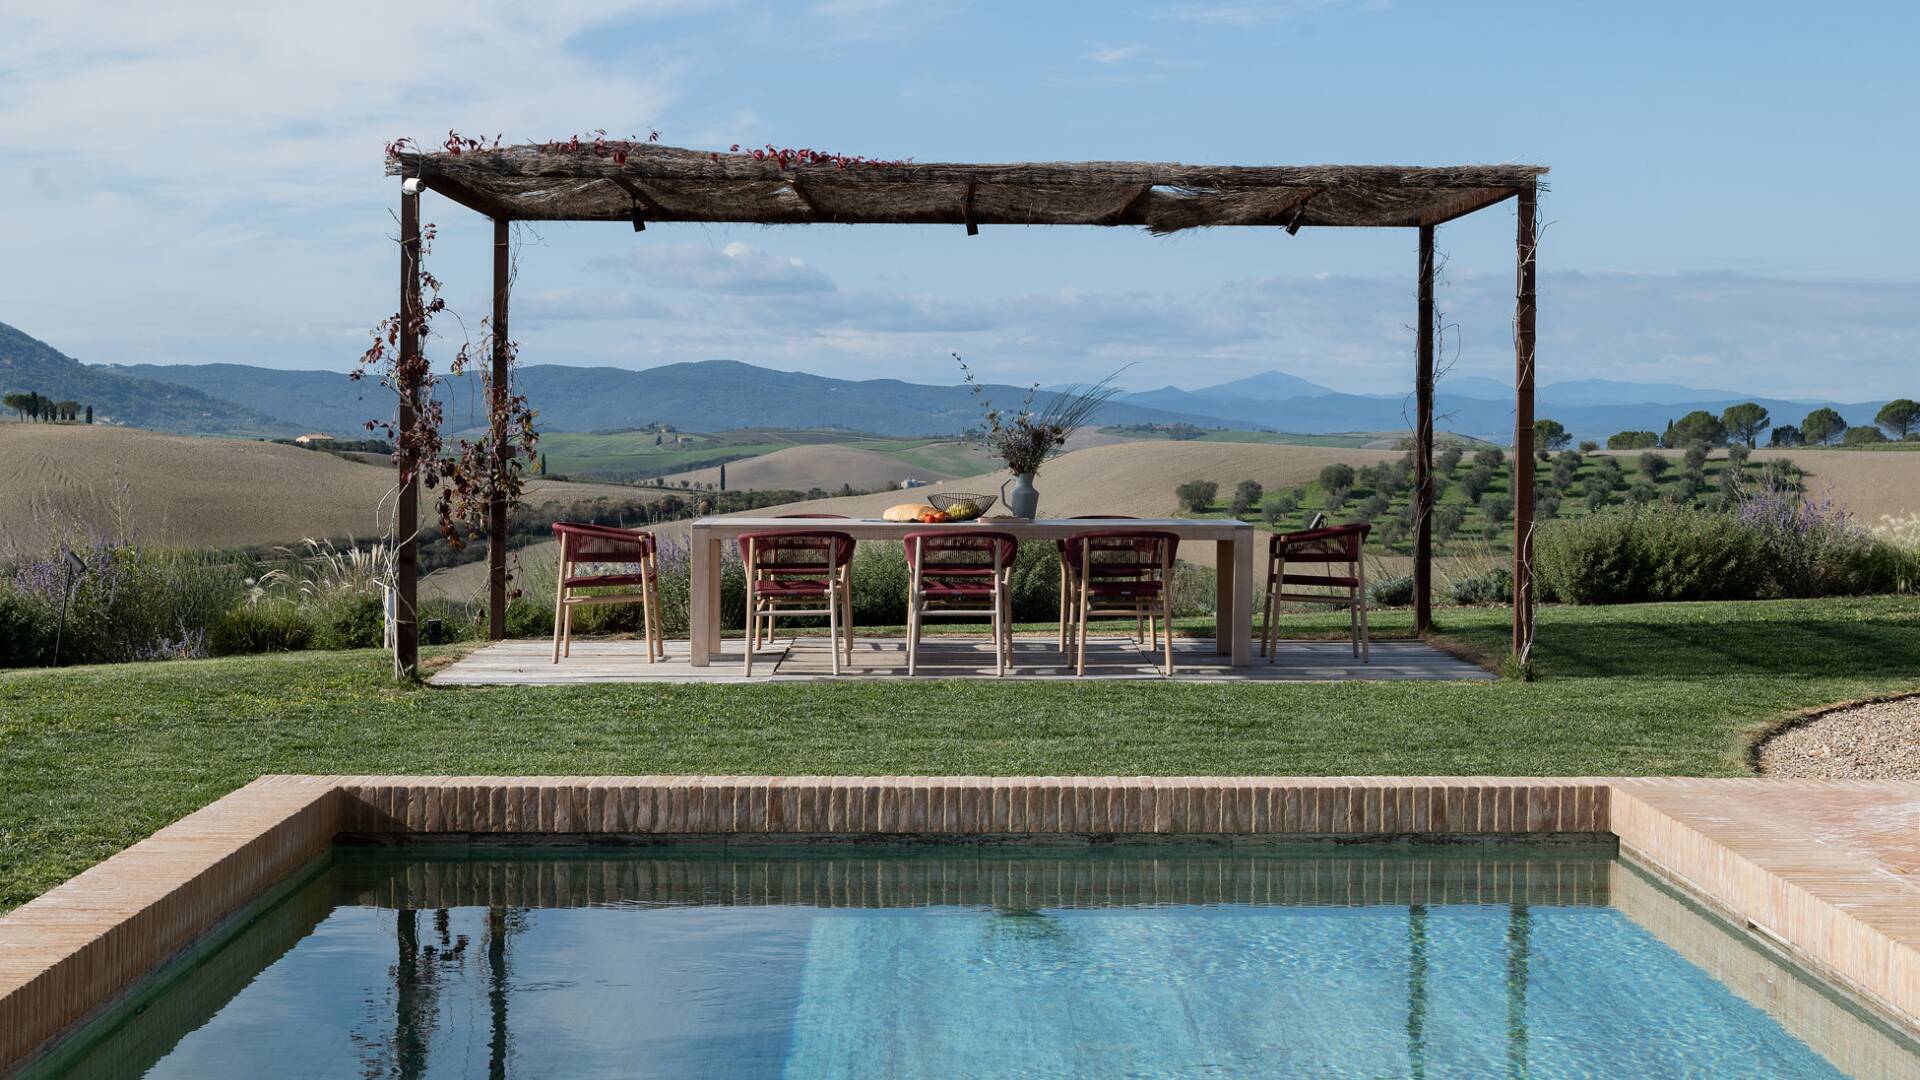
pixel 523 663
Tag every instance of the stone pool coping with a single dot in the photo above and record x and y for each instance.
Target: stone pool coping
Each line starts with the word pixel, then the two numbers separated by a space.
pixel 1828 870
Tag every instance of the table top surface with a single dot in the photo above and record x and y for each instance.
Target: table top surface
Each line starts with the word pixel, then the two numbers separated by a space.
pixel 1186 528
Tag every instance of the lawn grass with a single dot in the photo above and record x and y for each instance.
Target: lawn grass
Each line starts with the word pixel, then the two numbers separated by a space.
pixel 95 758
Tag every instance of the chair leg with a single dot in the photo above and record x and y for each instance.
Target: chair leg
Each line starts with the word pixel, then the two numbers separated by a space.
pixel 559 600
pixel 846 617
pixel 659 617
pixel 1067 628
pixel 752 640
pixel 1080 631
pixel 913 632
pixel 566 636
pixel 1360 611
pixel 1006 618
pixel 1273 602
pixel 1266 614
pixel 1166 618
pixel 999 636
pixel 833 624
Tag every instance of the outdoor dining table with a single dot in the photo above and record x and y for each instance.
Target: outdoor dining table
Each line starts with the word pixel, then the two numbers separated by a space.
pixel 1233 562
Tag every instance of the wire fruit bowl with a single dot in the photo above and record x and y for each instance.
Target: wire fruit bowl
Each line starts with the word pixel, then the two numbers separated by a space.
pixel 945 503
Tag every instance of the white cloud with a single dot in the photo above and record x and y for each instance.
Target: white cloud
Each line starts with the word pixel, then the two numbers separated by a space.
pixel 281 102
pixel 1116 54
pixel 1253 14
pixel 734 269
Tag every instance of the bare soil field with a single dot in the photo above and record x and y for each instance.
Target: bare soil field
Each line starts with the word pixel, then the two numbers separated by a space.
pixel 802 467
pixel 1869 484
pixel 193 490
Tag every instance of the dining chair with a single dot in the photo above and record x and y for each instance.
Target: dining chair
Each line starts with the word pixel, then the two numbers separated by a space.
pixel 1341 572
pixel 1143 629
pixel 1121 572
pixel 794 572
pixel 961 574
pixel 846 615
pixel 638 559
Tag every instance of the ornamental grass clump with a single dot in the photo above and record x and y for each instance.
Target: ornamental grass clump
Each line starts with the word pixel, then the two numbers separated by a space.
pixel 1025 439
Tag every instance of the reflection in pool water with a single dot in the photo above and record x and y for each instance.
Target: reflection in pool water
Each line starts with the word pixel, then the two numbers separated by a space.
pixel 1154 961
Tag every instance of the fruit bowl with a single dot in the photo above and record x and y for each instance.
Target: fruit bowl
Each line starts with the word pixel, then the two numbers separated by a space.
pixel 945 504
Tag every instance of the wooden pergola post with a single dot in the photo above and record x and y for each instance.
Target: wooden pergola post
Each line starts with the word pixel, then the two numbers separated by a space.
pixel 1423 445
pixel 497 408
pixel 406 559
pixel 1523 366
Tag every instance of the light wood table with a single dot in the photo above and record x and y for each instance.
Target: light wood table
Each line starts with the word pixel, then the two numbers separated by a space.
pixel 1233 596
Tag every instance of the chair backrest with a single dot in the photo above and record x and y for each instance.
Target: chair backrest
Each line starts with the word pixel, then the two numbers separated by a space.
pixel 1122 552
pixel 796 549
pixel 1062 544
pixel 602 543
pixel 960 549
pixel 1337 543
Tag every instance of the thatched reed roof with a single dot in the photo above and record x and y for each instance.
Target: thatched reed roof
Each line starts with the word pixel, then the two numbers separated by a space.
pixel 663 183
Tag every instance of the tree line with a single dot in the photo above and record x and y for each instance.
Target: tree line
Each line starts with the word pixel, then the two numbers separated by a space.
pixel 29 405
pixel 1897 421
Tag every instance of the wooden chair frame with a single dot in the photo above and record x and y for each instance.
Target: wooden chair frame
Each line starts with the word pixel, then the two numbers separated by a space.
pixel 998 599
pixel 1338 544
pixel 1143 628
pixel 590 545
pixel 1157 569
pixel 767 617
pixel 837 551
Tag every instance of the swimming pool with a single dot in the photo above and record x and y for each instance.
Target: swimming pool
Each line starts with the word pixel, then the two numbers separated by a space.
pixel 1149 960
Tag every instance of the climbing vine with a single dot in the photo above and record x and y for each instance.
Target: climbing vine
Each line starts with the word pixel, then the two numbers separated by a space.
pixel 466 476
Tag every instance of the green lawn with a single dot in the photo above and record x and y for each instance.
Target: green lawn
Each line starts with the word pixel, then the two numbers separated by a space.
pixel 96 758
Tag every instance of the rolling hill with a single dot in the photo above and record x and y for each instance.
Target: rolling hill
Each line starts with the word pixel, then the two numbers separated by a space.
pixel 193 490
pixel 29 364
pixel 799 468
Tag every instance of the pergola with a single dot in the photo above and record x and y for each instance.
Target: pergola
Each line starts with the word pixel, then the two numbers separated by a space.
pixel 647 182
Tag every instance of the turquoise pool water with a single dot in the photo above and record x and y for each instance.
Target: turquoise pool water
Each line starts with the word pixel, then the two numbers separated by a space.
pixel 1485 961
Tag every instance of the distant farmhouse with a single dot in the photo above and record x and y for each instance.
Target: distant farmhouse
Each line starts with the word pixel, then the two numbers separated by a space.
pixel 313 438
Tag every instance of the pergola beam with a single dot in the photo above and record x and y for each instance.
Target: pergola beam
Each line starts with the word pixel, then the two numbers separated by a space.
pixel 476 201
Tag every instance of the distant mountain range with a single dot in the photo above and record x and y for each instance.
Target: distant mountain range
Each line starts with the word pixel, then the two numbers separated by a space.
pixel 30 364
pixel 717 395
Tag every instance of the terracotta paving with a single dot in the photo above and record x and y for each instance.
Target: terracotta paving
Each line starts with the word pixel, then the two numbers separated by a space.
pixel 1829 870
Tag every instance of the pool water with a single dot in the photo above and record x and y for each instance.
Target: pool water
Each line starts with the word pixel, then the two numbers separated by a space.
pixel 1144 961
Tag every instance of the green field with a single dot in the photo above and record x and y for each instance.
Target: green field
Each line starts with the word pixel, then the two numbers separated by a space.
pixel 97 758
pixel 631 456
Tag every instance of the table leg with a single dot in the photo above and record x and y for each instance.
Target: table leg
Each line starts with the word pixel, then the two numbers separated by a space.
pixel 1242 628
pixel 1223 566
pixel 703 616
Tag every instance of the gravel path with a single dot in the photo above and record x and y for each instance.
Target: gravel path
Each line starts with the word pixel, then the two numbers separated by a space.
pixel 1869 742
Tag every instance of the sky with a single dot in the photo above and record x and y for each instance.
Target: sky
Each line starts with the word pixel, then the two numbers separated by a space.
pixel 203 182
